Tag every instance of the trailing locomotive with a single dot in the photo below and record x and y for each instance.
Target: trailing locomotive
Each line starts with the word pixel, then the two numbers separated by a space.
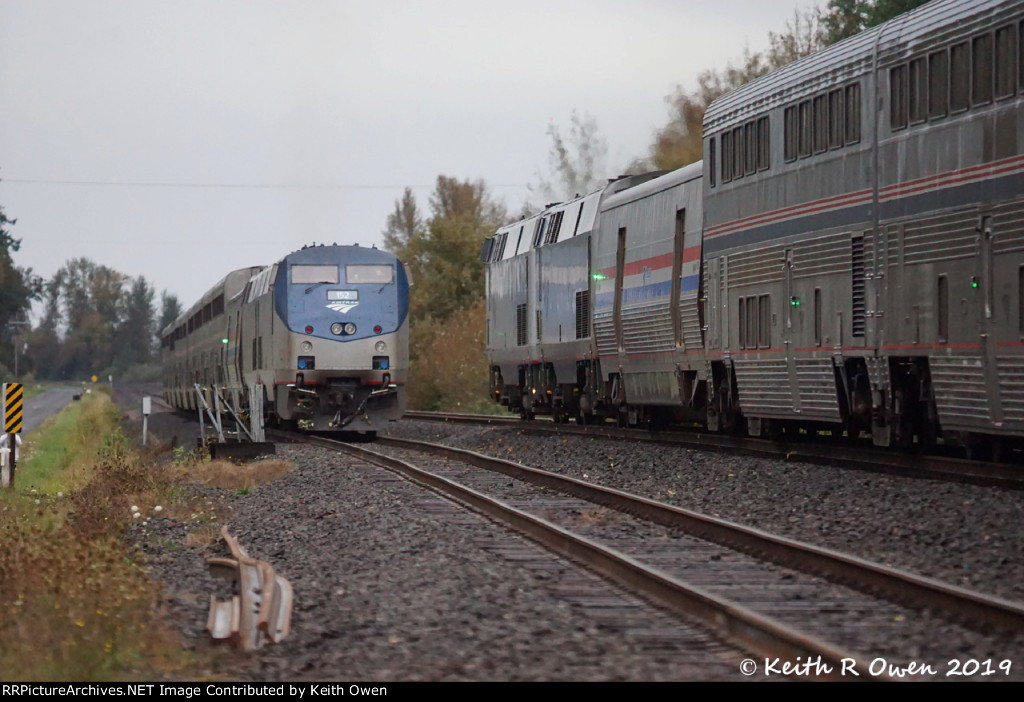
pixel 324 332
pixel 829 264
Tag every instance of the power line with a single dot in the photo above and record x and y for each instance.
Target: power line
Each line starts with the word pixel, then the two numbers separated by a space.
pixel 234 186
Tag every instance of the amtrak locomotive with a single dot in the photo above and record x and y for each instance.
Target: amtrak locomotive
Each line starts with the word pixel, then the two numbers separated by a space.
pixel 324 332
pixel 848 256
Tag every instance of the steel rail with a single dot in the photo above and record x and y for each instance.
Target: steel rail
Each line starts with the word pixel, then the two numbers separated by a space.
pixel 1005 475
pixel 975 610
pixel 755 632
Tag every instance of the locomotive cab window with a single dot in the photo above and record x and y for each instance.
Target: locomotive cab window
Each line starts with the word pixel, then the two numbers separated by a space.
pixel 306 274
pixel 362 273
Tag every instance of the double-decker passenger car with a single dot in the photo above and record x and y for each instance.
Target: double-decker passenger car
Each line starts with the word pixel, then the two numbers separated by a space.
pixel 863 241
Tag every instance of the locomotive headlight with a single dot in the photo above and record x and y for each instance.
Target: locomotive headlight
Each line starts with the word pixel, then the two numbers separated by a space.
pixel 350 328
pixel 336 328
pixel 306 347
pixel 380 346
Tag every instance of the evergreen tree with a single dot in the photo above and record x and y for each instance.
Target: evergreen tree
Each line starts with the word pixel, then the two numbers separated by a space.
pixel 170 310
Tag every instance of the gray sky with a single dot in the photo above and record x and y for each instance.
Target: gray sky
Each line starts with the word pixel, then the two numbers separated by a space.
pixel 182 139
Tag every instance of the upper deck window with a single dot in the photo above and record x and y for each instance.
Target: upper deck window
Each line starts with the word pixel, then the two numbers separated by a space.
pixel 918 90
pixel 853 113
pixel 711 169
pixel 981 83
pixel 805 128
pixel 738 153
pixel 959 77
pixel 835 118
pixel 820 127
pixel 726 157
pixel 790 125
pixel 938 79
pixel 306 274
pixel 763 144
pixel 366 273
pixel 898 97
pixel 1006 61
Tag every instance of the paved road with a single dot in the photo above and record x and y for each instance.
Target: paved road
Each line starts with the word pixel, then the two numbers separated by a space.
pixel 38 408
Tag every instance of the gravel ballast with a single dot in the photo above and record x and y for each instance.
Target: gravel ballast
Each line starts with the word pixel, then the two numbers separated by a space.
pixel 967 535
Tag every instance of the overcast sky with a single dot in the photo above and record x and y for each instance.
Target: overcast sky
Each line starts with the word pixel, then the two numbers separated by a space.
pixel 182 139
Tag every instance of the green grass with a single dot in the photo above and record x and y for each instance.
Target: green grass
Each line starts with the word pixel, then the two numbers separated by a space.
pixel 74 602
pixel 60 454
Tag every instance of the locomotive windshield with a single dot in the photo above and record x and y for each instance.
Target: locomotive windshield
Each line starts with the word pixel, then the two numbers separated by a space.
pixel 369 274
pixel 314 274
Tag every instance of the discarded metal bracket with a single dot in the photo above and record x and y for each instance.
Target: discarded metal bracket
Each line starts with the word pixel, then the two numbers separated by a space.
pixel 262 609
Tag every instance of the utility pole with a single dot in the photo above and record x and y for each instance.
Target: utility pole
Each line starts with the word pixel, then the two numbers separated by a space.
pixel 17 341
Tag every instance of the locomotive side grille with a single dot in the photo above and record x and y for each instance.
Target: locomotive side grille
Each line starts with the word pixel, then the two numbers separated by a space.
pixel 822 256
pixel 961 397
pixel 604 330
pixel 582 314
pixel 1008 218
pixel 755 267
pixel 692 339
pixel 859 301
pixel 817 386
pixel 940 238
pixel 648 329
pixel 763 387
pixel 521 325
pixel 1011 385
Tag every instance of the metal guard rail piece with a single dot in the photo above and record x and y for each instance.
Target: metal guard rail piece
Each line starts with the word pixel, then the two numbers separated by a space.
pixel 262 609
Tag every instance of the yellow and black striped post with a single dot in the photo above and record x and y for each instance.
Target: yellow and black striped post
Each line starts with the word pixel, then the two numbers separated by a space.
pixel 14 402
pixel 14 396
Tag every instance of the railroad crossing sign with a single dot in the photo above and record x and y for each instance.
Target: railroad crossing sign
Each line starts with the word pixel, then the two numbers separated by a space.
pixel 14 396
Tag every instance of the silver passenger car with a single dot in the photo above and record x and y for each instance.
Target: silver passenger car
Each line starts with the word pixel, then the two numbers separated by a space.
pixel 865 267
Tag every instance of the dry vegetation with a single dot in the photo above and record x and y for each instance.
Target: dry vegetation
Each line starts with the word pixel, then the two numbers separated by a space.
pixel 450 370
pixel 75 600
pixel 227 475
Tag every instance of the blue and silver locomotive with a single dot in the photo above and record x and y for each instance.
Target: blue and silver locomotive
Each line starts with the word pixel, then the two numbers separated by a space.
pixel 324 332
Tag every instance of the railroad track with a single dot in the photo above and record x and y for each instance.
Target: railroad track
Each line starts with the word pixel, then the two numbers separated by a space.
pixel 734 579
pixel 845 455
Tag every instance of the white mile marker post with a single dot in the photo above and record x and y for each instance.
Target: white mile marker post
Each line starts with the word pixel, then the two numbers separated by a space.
pixel 146 408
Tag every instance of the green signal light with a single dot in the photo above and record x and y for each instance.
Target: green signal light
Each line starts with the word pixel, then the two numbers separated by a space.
pixel 599 276
pixel 223 341
pixel 794 301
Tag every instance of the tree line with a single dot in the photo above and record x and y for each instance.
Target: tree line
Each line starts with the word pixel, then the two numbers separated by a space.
pixel 98 321
pixel 95 321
